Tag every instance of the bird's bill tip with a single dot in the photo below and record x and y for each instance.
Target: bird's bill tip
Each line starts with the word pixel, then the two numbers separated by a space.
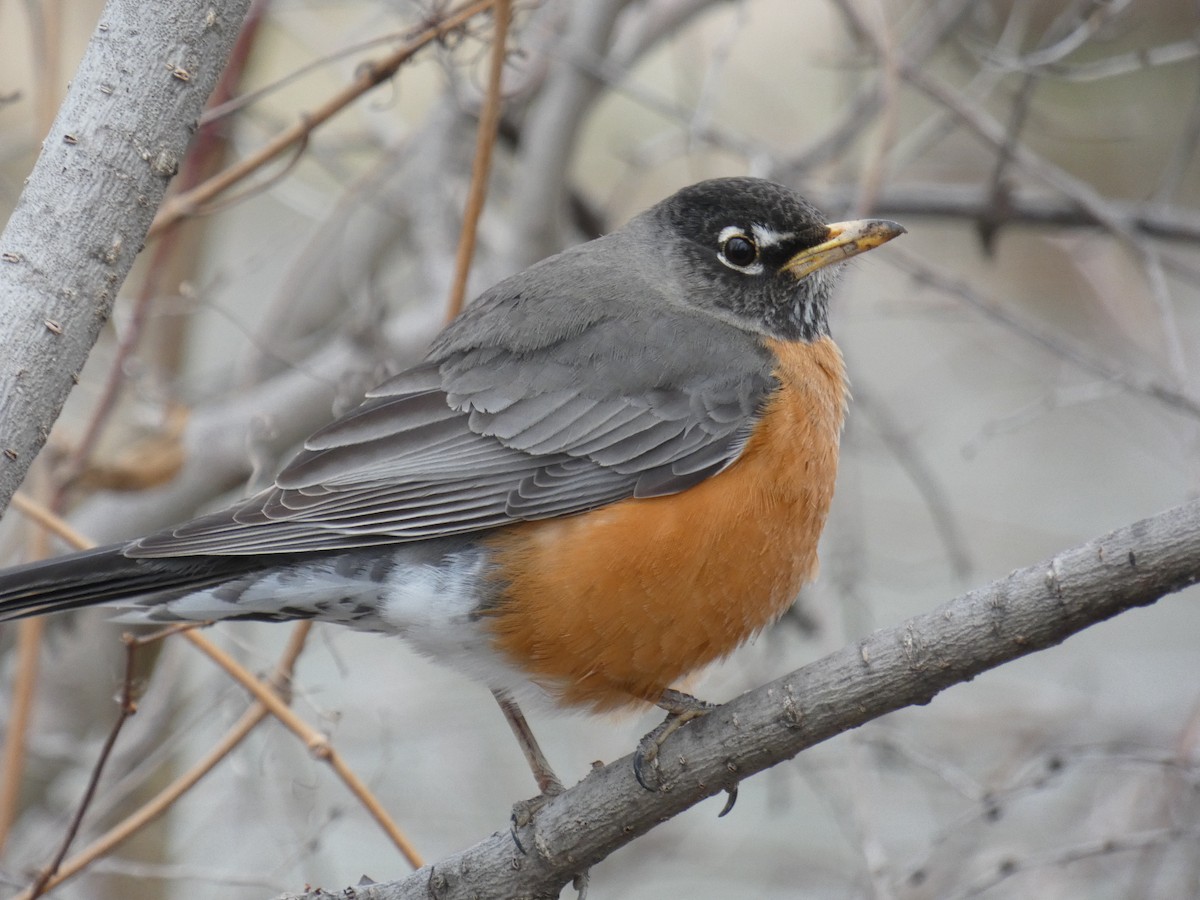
pixel 844 240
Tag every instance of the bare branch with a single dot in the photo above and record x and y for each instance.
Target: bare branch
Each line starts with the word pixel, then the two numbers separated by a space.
pixel 87 206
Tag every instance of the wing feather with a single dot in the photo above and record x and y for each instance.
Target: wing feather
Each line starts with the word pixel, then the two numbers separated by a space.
pixel 501 424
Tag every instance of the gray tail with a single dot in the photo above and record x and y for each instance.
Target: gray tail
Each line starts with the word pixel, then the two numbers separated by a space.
pixel 104 575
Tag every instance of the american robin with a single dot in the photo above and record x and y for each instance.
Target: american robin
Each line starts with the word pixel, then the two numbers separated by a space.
pixel 609 471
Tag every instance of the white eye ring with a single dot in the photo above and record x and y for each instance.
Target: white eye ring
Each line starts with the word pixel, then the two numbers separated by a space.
pixel 730 233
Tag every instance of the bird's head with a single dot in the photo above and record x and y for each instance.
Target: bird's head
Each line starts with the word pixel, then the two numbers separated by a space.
pixel 758 254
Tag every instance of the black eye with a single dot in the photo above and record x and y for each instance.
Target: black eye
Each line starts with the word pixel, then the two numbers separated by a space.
pixel 739 250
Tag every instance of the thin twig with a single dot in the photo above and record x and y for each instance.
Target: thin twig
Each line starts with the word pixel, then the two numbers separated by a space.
pixel 370 76
pixel 1057 857
pixel 317 743
pixel 127 709
pixel 1060 347
pixel 1000 184
pixel 936 24
pixel 24 689
pixel 1025 207
pixel 244 100
pixel 234 198
pixel 40 514
pixel 161 802
pixel 485 139
pixel 922 474
pixel 874 171
pixel 1086 195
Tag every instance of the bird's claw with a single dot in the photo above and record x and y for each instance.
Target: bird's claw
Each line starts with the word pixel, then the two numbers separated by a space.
pixel 731 794
pixel 523 811
pixel 647 756
pixel 522 815
pixel 681 708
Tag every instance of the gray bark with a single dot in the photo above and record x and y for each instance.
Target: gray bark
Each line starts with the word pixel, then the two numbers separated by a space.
pixel 85 210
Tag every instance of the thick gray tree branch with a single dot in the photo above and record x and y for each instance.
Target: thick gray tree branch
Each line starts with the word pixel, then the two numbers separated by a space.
pixel 1031 609
pixel 86 207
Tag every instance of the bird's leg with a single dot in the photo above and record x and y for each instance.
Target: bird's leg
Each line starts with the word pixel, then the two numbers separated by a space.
pixel 681 708
pixel 547 781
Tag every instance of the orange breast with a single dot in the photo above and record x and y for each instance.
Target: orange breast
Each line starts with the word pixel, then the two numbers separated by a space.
pixel 610 607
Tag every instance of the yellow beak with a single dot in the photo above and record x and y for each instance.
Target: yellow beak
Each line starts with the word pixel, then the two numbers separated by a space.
pixel 846 239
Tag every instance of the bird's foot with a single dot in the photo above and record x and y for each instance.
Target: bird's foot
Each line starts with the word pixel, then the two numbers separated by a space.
pixel 523 811
pixel 548 783
pixel 681 708
pixel 522 815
